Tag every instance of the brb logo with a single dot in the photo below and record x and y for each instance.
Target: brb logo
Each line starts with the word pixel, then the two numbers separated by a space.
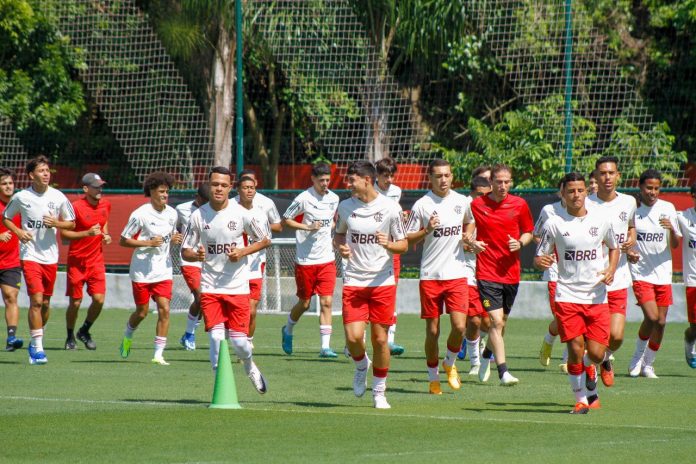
pixel 447 231
pixel 692 243
pixel 324 222
pixel 36 224
pixel 220 248
pixel 363 239
pixel 651 237
pixel 580 255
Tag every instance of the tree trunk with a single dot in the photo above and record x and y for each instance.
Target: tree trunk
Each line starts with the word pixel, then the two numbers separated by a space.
pixel 222 108
pixel 276 138
pixel 257 138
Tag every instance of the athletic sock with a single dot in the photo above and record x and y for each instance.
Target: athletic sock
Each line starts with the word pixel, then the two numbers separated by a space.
pixel 129 331
pixel 550 339
pixel 565 355
pixel 379 380
pixel 391 333
pixel 71 333
pixel 11 331
pixel 641 345
pixel 650 353
pixel 242 349
pixel 290 325
pixel 251 342
pixel 216 335
pixel 433 371
pixel 472 349
pixel 325 332
pixel 502 369
pixel 86 326
pixel 191 324
pixel 576 377
pixel 451 356
pixel 160 343
pixel 37 339
pixel 487 353
pixel 361 362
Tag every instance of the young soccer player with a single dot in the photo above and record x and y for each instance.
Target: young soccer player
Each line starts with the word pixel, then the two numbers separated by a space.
pixel 191 271
pixel 437 219
pixel 215 237
pixel 86 259
pixel 369 231
pixel 574 239
pixel 686 221
pixel 10 270
pixel 656 233
pixel 150 230
pixel 44 210
pixel 315 267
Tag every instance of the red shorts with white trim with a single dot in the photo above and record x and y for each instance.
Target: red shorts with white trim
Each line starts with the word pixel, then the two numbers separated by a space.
pixel 192 277
pixel 231 310
pixel 369 304
pixel 691 304
pixel 40 278
pixel 255 286
pixel 475 306
pixel 617 301
pixel 397 267
pixel 311 279
pixel 552 295
pixel 437 296
pixel 645 291
pixel 143 291
pixel 80 273
pixel 590 320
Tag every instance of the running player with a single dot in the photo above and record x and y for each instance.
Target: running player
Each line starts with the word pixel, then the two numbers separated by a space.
pixel 151 229
pixel 503 225
pixel 656 232
pixel 214 237
pixel 369 231
pixel 437 219
pixel 191 271
pixel 574 238
pixel 386 170
pixel 86 259
pixel 315 267
pixel 44 210
pixel 620 209
pixel 10 270
pixel 687 228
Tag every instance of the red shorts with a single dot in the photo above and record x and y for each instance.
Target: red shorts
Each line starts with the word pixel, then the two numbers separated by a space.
pixel 79 274
pixel 369 304
pixel 645 291
pixel 255 286
pixel 192 277
pixel 475 306
pixel 590 320
pixel 231 310
pixel 143 291
pixel 397 267
pixel 313 279
pixel 552 295
pixel 40 278
pixel 691 304
pixel 438 295
pixel 617 301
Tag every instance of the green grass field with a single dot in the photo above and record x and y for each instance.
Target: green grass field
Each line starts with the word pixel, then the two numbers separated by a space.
pixel 94 407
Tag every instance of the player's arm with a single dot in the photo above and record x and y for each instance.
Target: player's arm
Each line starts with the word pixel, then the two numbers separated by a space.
pixel 394 240
pixel 475 246
pixel 614 254
pixel 545 256
pixel 23 235
pixel 339 243
pixel 277 227
pixel 62 224
pixel 414 230
pixel 136 243
pixel 631 237
pixel 669 225
pixel 72 235
pixel 261 235
pixel 191 248
pixel 293 224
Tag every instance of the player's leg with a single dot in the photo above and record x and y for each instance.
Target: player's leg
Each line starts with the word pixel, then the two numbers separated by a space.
pixel 456 300
pixel 9 286
pixel 192 277
pixel 690 332
pixel 325 326
pixel 379 335
pixel 255 287
pixel 663 299
pixel 236 309
pixel 33 276
pixel 214 323
pixel 432 355
pixel 576 374
pixel 161 329
pixel 394 348
pixel 93 312
pixel 305 277
pixel 70 321
pixel 356 314
pixel 141 297
pixel 472 340
pixel 617 300
pixel 550 337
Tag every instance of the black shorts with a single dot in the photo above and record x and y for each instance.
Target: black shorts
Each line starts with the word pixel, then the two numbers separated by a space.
pixel 495 295
pixel 11 277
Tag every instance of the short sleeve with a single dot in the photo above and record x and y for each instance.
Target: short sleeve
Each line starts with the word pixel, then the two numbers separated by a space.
pixel 396 224
pixel 192 233
pixel 415 220
pixel 295 209
pixel 610 238
pixel 341 225
pixel 12 209
pixel 546 244
pixel 133 226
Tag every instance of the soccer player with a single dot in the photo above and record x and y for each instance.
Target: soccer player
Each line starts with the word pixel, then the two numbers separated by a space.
pixel 592 185
pixel 656 233
pixel 315 268
pixel 576 236
pixel 214 237
pixel 482 171
pixel 620 209
pixel 437 219
pixel 503 225
pixel 43 210
pixel 10 270
pixel 369 231
pixel 386 170
pixel 191 271
pixel 151 229
pixel 686 221
pixel 86 259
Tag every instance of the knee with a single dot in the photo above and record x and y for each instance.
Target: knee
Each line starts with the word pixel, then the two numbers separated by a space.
pixel 97 300
pixel 379 339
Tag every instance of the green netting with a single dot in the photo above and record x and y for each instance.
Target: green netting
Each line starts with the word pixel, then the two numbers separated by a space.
pixel 12 153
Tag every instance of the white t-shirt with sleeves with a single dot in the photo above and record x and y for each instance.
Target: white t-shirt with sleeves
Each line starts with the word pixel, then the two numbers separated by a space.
pixel 686 221
pixel 443 254
pixel 151 264
pixel 652 242
pixel 33 206
pixel 370 264
pixel 393 192
pixel 315 246
pixel 258 259
pixel 184 212
pixel 550 274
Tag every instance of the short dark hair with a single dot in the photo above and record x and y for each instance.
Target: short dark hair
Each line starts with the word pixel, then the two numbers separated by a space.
pixel 362 169
pixel 436 163
pixel 480 181
pixel 607 159
pixel 500 167
pixel 572 177
pixel 35 162
pixel 220 170
pixel 321 169
pixel 477 172
pixel 245 179
pixel 4 172
pixel 247 172
pixel 386 166
pixel 650 174
pixel 156 179
pixel 593 174
pixel 204 191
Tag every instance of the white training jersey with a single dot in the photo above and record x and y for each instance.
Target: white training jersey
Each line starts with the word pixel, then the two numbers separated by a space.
pixel 652 242
pixel 621 212
pixel 443 253
pixel 550 274
pixel 578 243
pixel 33 206
pixel 257 260
pixel 686 221
pixel 392 192
pixel 151 264
pixel 370 264
pixel 315 246
pixel 219 232
pixel 267 206
pixel 183 213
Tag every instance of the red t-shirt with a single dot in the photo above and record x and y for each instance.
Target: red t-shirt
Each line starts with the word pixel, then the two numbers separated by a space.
pixel 86 215
pixel 9 251
pixel 494 222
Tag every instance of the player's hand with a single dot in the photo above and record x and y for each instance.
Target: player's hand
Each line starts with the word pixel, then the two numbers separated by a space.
pixel 478 246
pixel 467 247
pixel 514 244
pixel 545 261
pixel 49 221
pixel 200 253
pixel 606 276
pixel 5 236
pixel 433 223
pixel 177 238
pixel 25 236
pixel 315 225
pixel 633 256
pixel 94 230
pixel 665 222
pixel 156 241
pixel 628 244
pixel 382 239
pixel 344 251
pixel 235 255
pixel 106 239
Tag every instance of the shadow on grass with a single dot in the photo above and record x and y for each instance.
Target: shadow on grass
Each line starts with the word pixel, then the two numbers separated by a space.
pixel 525 408
pixel 161 401
pixel 304 404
